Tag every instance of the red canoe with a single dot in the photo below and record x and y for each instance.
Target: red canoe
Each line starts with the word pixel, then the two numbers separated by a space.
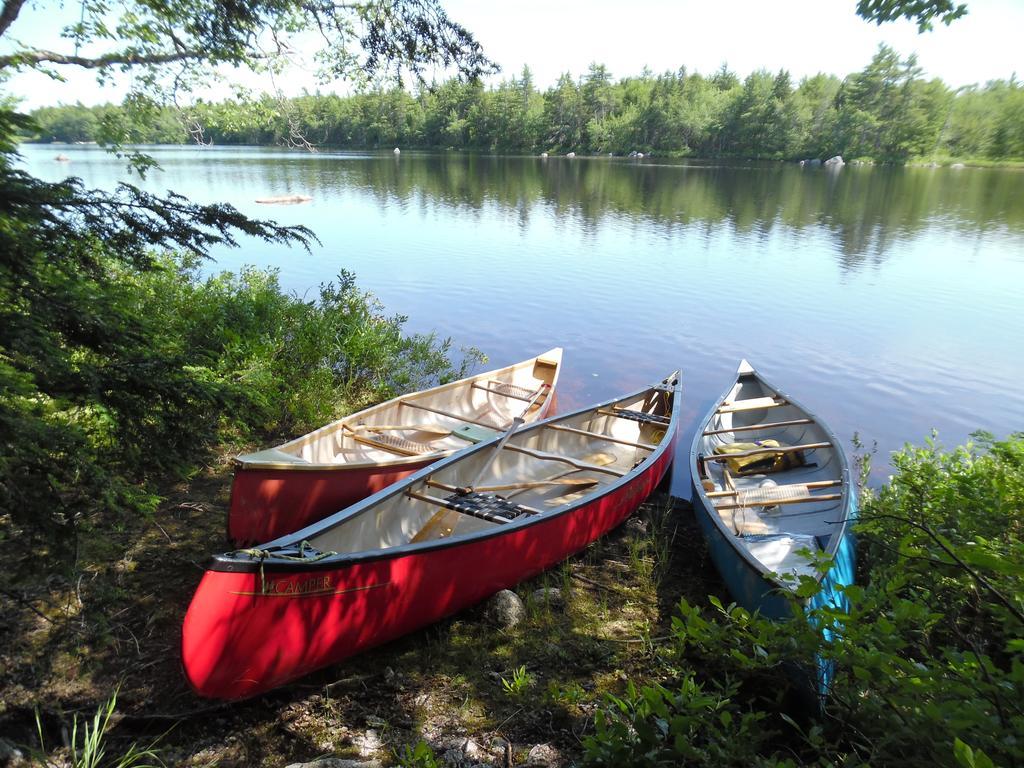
pixel 288 487
pixel 427 547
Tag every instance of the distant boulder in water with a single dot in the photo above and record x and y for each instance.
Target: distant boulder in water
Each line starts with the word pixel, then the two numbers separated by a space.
pixel 544 155
pixel 284 199
pixel 958 166
pixel 571 154
pixel 835 162
pixel 398 151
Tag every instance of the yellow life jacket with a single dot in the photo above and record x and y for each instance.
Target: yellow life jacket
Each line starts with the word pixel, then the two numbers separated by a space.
pixel 762 461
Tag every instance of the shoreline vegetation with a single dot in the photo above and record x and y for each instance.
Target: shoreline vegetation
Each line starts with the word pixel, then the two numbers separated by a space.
pixel 628 654
pixel 127 382
pixel 885 113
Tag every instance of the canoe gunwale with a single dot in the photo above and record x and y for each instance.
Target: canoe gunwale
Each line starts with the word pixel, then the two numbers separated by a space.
pixel 554 354
pixel 711 511
pixel 235 564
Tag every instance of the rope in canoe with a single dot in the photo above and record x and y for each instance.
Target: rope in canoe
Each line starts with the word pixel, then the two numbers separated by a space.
pixel 263 554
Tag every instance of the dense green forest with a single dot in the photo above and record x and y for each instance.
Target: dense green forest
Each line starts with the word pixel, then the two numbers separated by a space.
pixel 887 112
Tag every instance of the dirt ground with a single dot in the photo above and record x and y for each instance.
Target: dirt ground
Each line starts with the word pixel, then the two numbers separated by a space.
pixel 72 637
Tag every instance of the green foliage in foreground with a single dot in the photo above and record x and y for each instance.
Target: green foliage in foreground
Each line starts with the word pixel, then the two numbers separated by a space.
pixel 929 664
pixel 88 748
pixel 146 368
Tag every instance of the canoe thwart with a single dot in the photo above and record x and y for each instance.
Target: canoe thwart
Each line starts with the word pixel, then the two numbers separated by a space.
pixel 543 456
pixel 805 500
pixel 755 427
pixel 751 404
pixel 449 414
pixel 430 429
pixel 766 449
pixel 600 436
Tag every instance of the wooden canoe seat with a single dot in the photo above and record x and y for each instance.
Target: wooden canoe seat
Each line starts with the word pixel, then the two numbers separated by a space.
pixel 751 404
pixel 392 443
pixel 486 506
pixel 809 499
pixel 776 495
pixel 510 390
pixel 795 487
pixel 755 427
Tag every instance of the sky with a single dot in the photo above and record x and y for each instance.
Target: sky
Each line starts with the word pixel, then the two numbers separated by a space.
pixel 556 36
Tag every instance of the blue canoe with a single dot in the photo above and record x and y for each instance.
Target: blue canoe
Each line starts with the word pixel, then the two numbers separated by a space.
pixel 771 484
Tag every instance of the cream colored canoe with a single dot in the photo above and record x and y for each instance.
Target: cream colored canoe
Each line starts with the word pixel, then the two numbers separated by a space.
pixel 282 489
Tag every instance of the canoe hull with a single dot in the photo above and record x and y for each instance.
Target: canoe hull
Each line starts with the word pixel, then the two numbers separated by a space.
pixel 750 582
pixel 748 586
pixel 268 503
pixel 247 632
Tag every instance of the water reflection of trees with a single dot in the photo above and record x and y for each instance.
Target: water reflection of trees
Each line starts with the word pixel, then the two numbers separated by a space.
pixel 865 209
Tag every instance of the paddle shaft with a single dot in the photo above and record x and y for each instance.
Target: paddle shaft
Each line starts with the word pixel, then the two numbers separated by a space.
pixel 517 422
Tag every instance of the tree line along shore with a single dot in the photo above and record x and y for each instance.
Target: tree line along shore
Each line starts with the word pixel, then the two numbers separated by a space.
pixel 887 113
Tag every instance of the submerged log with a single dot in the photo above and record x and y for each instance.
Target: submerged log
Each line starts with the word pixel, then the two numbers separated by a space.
pixel 284 199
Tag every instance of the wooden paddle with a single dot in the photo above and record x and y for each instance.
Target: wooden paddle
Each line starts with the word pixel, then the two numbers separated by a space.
pixel 431 429
pixel 449 518
pixel 517 422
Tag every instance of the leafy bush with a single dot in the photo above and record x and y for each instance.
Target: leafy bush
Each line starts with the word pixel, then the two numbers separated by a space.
pixel 140 369
pixel 929 662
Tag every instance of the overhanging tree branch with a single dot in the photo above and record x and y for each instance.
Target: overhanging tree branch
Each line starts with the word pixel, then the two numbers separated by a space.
pixel 121 58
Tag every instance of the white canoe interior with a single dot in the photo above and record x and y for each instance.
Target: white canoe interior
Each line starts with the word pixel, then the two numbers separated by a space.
pixel 539 470
pixel 773 515
pixel 422 425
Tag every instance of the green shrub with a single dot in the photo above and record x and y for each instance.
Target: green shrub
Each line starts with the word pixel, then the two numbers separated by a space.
pixel 139 370
pixel 929 662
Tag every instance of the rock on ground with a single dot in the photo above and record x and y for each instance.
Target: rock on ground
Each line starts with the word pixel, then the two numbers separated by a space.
pixel 549 596
pixel 505 609
pixel 543 756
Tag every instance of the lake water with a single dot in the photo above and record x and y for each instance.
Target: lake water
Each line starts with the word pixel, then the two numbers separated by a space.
pixel 890 301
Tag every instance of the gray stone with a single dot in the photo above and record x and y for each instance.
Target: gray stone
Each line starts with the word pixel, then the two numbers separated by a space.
pixel 549 596
pixel 957 166
pixel 505 609
pixel 10 755
pixel 814 162
pixel 367 743
pixel 835 162
pixel 543 756
pixel 636 527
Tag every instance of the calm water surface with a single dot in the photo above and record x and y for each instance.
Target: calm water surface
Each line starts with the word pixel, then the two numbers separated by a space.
pixel 888 300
